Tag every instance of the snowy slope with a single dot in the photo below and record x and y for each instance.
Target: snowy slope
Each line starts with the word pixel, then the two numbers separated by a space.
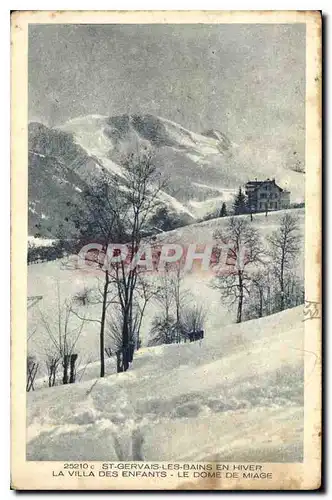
pixel 236 395
pixel 57 277
pixel 202 232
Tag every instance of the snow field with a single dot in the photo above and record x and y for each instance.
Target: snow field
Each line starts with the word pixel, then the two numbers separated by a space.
pixel 184 401
pixel 237 395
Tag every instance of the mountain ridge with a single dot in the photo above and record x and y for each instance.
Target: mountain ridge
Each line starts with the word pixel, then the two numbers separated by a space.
pixel 203 170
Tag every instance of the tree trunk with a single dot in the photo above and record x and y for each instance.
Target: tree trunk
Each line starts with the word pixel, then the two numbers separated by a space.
pixel 131 352
pixel 102 327
pixel 260 314
pixel 177 303
pixel 240 303
pixel 282 288
pixel 119 368
pixel 65 369
pixel 73 358
pixel 125 344
pixel 125 363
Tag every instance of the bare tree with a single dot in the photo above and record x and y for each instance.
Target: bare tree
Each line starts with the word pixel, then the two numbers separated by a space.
pixel 97 220
pixel 193 319
pixel 63 336
pixel 165 296
pixel 147 289
pixel 113 331
pixel 120 213
pixel 180 296
pixel 32 369
pixel 143 184
pixel 172 297
pixel 108 351
pixel 83 296
pixel 244 246
pixel 104 295
pixel 293 291
pixel 52 365
pixel 114 324
pixel 259 294
pixel 163 329
pixel 284 246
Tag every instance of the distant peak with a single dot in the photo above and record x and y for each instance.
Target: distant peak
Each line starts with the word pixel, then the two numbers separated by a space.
pixel 83 120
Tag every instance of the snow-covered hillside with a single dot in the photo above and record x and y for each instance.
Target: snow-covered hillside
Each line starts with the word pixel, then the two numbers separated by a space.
pixel 237 395
pixel 202 232
pixel 59 277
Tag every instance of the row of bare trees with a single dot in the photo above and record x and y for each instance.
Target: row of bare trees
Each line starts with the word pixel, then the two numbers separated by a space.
pixel 63 331
pixel 263 280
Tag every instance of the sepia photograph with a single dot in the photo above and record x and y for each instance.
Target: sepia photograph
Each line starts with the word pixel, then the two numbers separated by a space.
pixel 168 176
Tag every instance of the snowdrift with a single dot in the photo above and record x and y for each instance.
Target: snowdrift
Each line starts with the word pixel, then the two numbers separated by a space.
pixel 237 395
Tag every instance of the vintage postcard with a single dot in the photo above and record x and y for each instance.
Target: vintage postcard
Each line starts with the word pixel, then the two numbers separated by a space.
pixel 166 250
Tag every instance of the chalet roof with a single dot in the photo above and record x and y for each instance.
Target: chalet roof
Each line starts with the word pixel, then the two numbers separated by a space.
pixel 257 184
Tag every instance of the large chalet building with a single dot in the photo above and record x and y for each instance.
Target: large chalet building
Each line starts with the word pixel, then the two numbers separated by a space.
pixel 266 195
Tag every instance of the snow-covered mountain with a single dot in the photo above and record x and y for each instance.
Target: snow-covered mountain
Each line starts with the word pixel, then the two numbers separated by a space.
pixel 202 170
pixel 193 164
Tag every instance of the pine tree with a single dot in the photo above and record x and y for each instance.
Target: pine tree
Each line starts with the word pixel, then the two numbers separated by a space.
pixel 223 211
pixel 240 203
